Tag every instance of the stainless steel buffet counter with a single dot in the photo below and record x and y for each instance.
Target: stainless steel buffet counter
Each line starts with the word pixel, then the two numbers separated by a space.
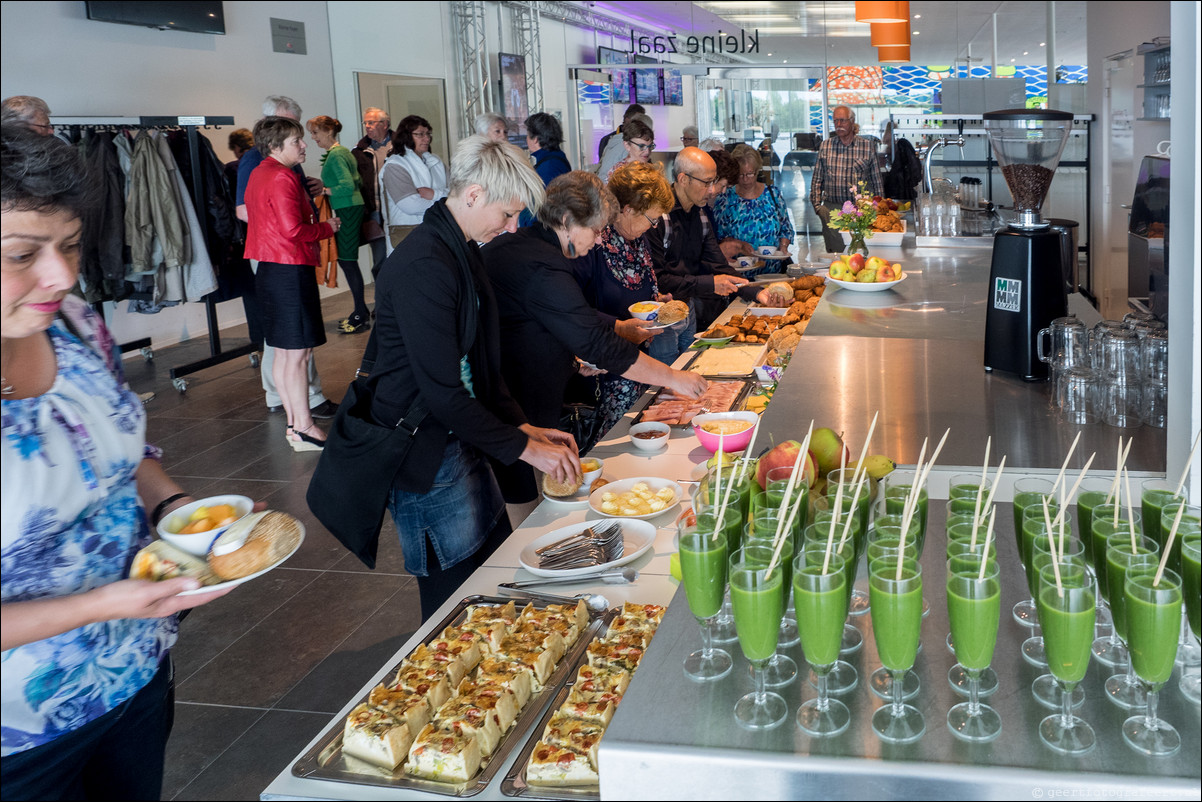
pixel 915 354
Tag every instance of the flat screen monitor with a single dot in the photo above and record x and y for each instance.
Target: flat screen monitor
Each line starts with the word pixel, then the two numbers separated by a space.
pixel 205 16
pixel 622 78
pixel 514 107
pixel 673 88
pixel 646 83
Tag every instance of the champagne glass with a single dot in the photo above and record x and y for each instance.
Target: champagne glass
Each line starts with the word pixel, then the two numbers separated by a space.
pixel 769 515
pixel 703 564
pixel 757 594
pixel 1033 523
pixel 974 595
pixel 1028 492
pixel 1124 689
pixel 842 678
pixel 1155 495
pixel 1108 519
pixel 781 669
pixel 896 609
pixel 880 682
pixel 859 599
pixel 851 548
pixel 898 486
pixel 1191 591
pixel 1153 616
pixel 1066 612
pixel 1041 554
pixel 888 526
pixel 1045 689
pixel 821 598
pixel 1091 495
pixel 708 497
pixel 959 543
pixel 1191 521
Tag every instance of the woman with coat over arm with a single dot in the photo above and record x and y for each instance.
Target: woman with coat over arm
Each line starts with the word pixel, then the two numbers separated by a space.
pixel 751 211
pixel 282 233
pixel 87 689
pixel 437 335
pixel 546 323
pixel 411 180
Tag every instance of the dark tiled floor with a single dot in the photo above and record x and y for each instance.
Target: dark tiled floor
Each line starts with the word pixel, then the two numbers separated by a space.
pixel 260 671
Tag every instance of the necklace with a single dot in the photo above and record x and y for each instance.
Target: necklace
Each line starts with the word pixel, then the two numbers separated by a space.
pixel 5 387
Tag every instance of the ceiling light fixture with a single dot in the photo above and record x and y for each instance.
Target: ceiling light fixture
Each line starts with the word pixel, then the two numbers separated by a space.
pixel 876 11
pixel 894 54
pixel 890 34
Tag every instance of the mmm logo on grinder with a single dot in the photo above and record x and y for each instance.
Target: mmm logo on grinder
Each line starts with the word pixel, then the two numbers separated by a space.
pixel 1007 295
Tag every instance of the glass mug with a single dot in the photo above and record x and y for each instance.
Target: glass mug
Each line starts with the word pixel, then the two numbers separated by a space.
pixel 1068 343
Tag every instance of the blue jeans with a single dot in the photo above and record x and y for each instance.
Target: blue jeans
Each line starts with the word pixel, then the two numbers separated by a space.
pixel 671 343
pixel 449 531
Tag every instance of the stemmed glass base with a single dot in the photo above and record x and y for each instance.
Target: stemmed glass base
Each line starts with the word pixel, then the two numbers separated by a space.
pixel 907 726
pixel 1150 736
pixel 823 721
pixel 841 680
pixel 706 668
pixel 1126 691
pixel 1069 735
pixel 1109 650
pixel 957 677
pixel 788 631
pixel 1024 613
pixel 1034 651
pixel 763 713
pixel 859 602
pixel 780 671
pixel 852 640
pixel 980 727
pixel 1047 692
pixel 881 684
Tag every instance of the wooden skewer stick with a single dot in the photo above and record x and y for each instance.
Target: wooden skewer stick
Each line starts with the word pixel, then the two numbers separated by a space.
pixel 988 542
pixel 997 479
pixel 1188 462
pixel 1168 546
pixel 976 513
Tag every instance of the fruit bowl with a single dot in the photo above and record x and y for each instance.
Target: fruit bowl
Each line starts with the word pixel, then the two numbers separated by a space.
pixel 870 286
pixel 198 543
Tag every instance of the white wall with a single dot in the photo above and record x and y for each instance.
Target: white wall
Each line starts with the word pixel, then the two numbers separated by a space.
pixel 87 68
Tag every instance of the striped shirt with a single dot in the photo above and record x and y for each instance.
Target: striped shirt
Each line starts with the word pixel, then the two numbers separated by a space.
pixel 840 167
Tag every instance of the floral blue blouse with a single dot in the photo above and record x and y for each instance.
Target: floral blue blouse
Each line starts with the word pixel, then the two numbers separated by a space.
pixel 763 221
pixel 72 522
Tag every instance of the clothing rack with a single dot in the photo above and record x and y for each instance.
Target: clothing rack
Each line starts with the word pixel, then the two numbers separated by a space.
pixel 191 125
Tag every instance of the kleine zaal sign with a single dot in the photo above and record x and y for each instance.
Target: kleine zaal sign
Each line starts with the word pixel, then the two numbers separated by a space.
pixel 693 45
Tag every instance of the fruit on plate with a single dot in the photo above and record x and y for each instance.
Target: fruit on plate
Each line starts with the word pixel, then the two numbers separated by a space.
pixel 204 519
pixel 840 271
pixel 785 456
pixel 866 276
pixel 875 263
pixel 857 262
pixel 828 450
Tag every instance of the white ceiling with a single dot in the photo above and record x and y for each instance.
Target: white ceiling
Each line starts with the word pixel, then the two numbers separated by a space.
pixel 826 33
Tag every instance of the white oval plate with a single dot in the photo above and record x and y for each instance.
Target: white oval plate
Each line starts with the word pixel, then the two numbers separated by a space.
pixel 713 340
pixel 756 265
pixel 579 497
pixel 637 537
pixel 623 485
pixel 873 286
pixel 234 582
pixel 774 256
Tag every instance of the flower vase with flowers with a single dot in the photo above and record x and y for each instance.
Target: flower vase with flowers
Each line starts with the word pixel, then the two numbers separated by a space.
pixel 856 217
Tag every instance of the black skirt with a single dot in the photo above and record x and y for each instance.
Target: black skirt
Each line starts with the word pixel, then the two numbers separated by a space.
pixel 289 306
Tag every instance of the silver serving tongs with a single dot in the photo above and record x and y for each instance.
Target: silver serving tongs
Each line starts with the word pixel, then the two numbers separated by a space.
pixel 596 603
pixel 614 576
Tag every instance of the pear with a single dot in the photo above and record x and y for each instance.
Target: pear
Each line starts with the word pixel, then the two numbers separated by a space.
pixel 866 276
pixel 828 449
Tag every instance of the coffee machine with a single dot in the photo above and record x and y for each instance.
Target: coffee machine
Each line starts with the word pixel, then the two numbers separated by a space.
pixel 1026 283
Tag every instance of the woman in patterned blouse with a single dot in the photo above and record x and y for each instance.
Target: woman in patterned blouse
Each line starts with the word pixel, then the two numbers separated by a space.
pixel 618 272
pixel 751 211
pixel 86 705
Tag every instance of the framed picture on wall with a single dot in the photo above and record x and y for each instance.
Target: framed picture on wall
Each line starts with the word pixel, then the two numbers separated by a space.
pixel 673 88
pixel 621 78
pixel 514 107
pixel 646 83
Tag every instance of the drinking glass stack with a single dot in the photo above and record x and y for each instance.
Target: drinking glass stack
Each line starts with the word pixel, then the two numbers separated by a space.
pixel 1074 382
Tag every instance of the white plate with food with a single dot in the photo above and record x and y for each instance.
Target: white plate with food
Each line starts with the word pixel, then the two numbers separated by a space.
pixel 649 493
pixel 637 537
pixel 235 582
pixel 867 286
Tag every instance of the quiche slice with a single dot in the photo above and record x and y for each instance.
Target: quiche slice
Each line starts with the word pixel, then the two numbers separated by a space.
pixel 375 735
pixel 443 755
pixel 559 766
pixel 409 706
pixel 516 677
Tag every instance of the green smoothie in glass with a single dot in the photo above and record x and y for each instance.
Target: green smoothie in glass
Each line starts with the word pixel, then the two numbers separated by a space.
pixel 1068 623
pixel 1190 522
pixel 1101 528
pixel 1191 579
pixel 821 606
pixel 759 604
pixel 703 568
pixel 974 610
pixel 1119 555
pixel 896 616
pixel 1092 494
pixel 1154 495
pixel 1153 620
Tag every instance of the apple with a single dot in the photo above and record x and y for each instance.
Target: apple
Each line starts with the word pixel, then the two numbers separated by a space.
pixel 827 448
pixel 875 263
pixel 856 262
pixel 840 272
pixel 785 456
pixel 886 273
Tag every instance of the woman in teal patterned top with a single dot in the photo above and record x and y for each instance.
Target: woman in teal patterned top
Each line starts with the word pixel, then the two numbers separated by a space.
pixel 751 211
pixel 86 698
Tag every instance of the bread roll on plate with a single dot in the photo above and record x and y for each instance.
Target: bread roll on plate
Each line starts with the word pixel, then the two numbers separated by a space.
pixel 258 541
pixel 561 489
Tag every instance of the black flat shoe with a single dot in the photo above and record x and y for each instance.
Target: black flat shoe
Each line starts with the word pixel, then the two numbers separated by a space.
pixel 325 410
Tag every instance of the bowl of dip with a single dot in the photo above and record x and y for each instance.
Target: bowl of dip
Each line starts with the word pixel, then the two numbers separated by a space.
pixel 649 435
pixel 728 431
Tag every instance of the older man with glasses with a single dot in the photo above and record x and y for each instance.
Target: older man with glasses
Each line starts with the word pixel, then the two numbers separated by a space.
pixel 843 161
pixel 370 153
pixel 688 262
pixel 30 110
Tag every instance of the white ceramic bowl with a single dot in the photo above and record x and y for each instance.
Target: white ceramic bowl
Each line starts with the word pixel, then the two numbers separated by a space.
pixel 649 443
pixel 591 476
pixel 648 314
pixel 199 542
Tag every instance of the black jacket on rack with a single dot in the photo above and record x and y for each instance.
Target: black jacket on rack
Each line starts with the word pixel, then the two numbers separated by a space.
pixel 217 216
pixel 103 257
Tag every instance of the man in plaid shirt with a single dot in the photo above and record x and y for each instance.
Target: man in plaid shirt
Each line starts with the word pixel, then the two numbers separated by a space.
pixel 843 161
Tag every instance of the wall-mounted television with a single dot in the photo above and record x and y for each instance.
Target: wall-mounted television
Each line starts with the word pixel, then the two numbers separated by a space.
pixel 514 107
pixel 622 79
pixel 205 16
pixel 673 88
pixel 646 83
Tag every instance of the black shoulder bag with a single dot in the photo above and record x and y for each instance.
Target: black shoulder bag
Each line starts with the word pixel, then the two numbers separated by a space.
pixel 349 489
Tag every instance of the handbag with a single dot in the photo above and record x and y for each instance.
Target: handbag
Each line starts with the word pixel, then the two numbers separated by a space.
pixel 370 231
pixel 348 492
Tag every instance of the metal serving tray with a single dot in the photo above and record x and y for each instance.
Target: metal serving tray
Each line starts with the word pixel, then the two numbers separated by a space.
pixel 514 783
pixel 735 406
pixel 325 761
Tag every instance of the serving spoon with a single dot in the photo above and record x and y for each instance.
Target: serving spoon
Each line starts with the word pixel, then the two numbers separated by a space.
pixel 616 576
pixel 596 603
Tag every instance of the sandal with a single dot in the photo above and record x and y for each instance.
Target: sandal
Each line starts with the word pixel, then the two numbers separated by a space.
pixel 306 442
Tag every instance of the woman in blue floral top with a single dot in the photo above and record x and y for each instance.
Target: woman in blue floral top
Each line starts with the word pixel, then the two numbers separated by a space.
pixel 751 211
pixel 86 682
pixel 618 272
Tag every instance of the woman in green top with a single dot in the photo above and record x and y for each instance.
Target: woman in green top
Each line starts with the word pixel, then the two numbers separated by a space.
pixel 340 175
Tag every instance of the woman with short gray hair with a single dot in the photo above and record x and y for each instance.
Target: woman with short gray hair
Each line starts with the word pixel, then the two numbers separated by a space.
pixel 493 126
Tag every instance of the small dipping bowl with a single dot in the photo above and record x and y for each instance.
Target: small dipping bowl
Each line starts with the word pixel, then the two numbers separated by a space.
pixel 198 543
pixel 649 442
pixel 591 476
pixel 645 310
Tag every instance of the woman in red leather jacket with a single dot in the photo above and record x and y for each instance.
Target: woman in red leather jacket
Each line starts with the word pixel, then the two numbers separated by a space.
pixel 282 233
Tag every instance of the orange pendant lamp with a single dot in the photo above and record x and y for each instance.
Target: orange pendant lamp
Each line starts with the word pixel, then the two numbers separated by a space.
pixel 893 54
pixel 874 11
pixel 890 34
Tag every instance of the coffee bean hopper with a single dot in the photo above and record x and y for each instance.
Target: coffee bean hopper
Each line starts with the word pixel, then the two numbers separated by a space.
pixel 1026 283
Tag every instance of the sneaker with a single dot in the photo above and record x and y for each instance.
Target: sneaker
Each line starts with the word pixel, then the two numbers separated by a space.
pixel 355 324
pixel 357 329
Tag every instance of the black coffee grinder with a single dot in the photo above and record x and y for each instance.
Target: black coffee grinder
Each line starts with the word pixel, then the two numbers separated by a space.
pixel 1026 282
